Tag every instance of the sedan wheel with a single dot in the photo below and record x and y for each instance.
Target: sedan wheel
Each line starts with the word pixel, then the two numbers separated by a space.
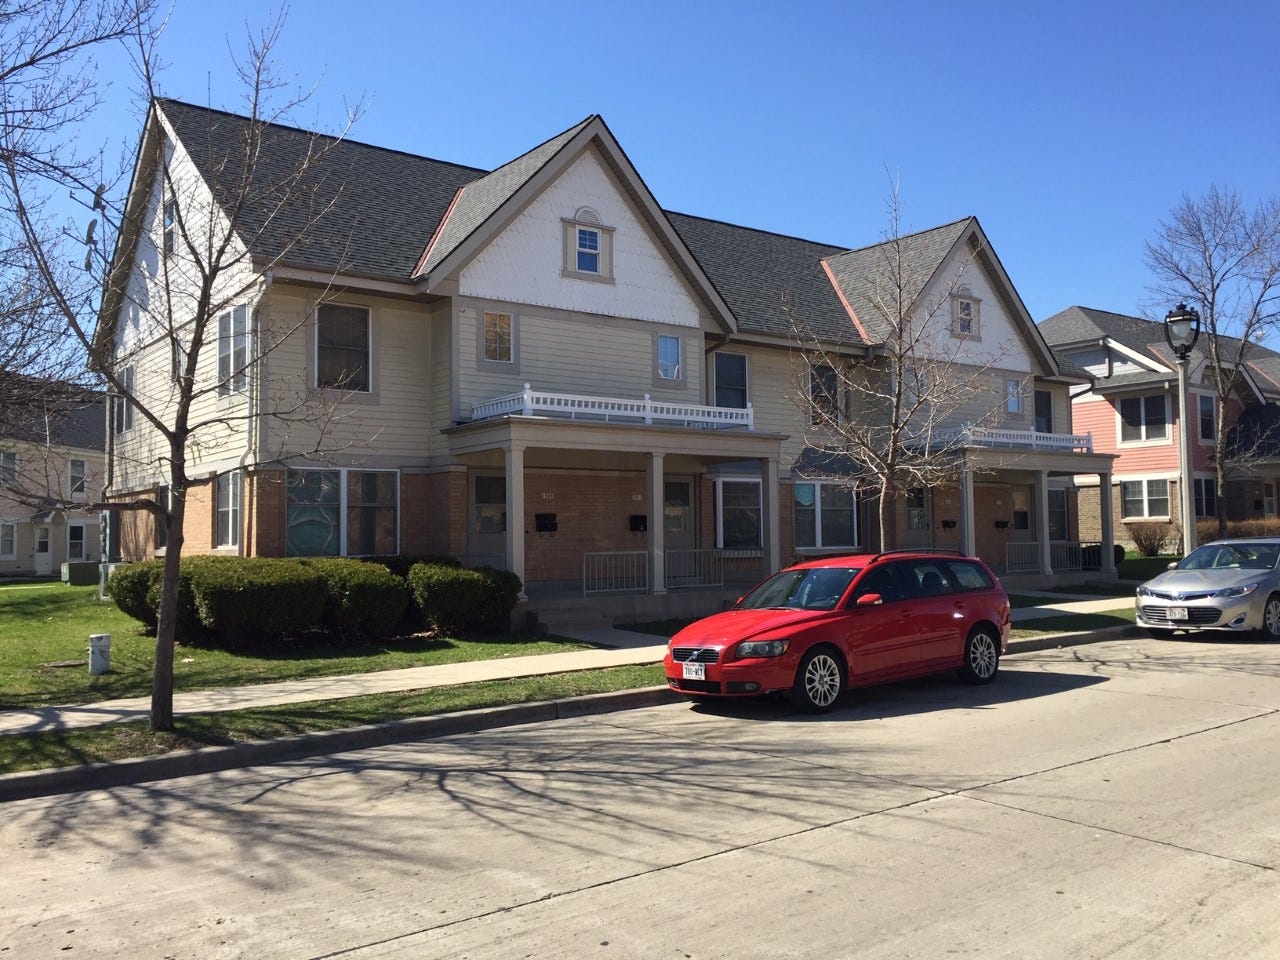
pixel 981 656
pixel 1271 617
pixel 819 680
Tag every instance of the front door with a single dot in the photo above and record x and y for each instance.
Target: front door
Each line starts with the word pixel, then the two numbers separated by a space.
pixel 919 526
pixel 679 533
pixel 44 559
pixel 487 530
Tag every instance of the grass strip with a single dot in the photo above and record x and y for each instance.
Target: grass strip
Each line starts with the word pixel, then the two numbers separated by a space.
pixel 66 748
pixel 1074 623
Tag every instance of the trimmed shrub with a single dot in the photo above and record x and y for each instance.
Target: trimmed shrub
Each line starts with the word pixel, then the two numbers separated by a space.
pixel 454 600
pixel 1207 530
pixel 1149 538
pixel 129 585
pixel 362 599
pixel 401 565
pixel 248 599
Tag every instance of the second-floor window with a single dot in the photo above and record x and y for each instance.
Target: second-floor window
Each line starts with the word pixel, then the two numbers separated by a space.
pixel 497 337
pixel 1044 411
pixel 170 226
pixel 121 406
pixel 588 247
pixel 669 364
pixel 588 250
pixel 76 477
pixel 1145 498
pixel 342 347
pixel 1208 422
pixel 233 351
pixel 1013 395
pixel 8 467
pixel 1143 418
pixel 824 394
pixel 731 380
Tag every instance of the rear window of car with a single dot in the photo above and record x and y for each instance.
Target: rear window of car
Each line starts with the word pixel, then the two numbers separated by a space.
pixel 969 576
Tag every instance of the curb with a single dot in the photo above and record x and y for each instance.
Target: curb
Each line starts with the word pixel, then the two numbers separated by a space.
pixel 118 773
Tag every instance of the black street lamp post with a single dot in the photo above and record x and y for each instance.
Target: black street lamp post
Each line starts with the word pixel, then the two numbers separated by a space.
pixel 1181 330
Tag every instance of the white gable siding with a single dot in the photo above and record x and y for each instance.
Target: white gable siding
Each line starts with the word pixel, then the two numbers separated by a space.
pixel 523 263
pixel 1001 341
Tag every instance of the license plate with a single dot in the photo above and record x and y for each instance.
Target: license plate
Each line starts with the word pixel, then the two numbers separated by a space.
pixel 1177 613
pixel 695 671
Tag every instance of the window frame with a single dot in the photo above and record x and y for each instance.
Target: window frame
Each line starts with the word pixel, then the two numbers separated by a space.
pixel 659 376
pixel 1047 397
pixel 232 483
pixel 168 224
pixel 824 394
pixel 959 300
pixel 121 405
pixel 71 556
pixel 1204 496
pixel 367 389
pixel 8 467
pixel 819 540
pixel 585 219
pixel 509 363
pixel 12 527
pixel 746 380
pixel 344 505
pixel 233 351
pixel 1147 498
pixel 720 483
pixel 77 480
pixel 1014 404
pixel 1145 424
pixel 1212 434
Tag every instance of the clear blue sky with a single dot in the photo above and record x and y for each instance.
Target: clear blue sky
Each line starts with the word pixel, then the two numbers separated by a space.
pixel 1069 130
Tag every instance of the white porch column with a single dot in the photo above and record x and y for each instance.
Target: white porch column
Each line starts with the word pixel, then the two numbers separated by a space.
pixel 772 540
pixel 1108 525
pixel 513 459
pixel 657 526
pixel 1042 521
pixel 968 535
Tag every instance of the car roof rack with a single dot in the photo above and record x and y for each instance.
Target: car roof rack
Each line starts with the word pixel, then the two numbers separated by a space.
pixel 946 551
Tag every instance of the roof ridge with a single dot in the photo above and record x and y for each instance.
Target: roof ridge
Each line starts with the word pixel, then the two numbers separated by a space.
pixel 570 129
pixel 908 236
pixel 743 226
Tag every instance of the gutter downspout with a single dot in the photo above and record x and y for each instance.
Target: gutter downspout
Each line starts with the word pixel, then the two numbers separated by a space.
pixel 252 430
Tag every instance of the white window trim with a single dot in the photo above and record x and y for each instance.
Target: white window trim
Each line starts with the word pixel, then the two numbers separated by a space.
pixel 569 261
pixel 122 406
pixel 84 541
pixel 680 376
pixel 8 467
pixel 1014 402
pixel 342 501
pixel 12 526
pixel 1164 441
pixel 719 507
pixel 371 387
pixel 236 378
pixel 817 517
pixel 83 492
pixel 1213 401
pixel 511 366
pixel 1146 499
pixel 235 479
pixel 975 324
pixel 1210 482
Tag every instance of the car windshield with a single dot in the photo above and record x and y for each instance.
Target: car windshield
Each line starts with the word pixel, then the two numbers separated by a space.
pixel 813 588
pixel 1236 556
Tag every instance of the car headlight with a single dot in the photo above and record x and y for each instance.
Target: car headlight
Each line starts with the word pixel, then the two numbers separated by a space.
pixel 1144 592
pixel 1244 591
pixel 750 649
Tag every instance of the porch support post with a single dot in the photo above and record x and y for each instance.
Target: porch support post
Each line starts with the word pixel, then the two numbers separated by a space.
pixel 1042 521
pixel 968 535
pixel 513 459
pixel 657 527
pixel 1108 524
pixel 772 540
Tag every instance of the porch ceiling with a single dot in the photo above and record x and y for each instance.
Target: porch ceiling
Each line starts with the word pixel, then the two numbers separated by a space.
pixel 597 445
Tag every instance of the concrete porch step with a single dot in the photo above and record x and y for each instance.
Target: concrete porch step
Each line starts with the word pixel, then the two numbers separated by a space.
pixel 558 618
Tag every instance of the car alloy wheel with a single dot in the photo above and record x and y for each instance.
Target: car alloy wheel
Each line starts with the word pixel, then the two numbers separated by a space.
pixel 1271 617
pixel 981 656
pixel 819 680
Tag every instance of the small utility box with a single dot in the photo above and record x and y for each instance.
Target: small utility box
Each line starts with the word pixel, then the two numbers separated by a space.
pixel 99 653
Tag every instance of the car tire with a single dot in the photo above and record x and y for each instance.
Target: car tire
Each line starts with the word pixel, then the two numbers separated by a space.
pixel 1158 633
pixel 981 655
pixel 820 680
pixel 1271 618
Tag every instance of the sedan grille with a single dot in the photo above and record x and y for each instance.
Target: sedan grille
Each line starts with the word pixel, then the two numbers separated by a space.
pixel 695 654
pixel 1196 616
pixel 695 686
pixel 1179 597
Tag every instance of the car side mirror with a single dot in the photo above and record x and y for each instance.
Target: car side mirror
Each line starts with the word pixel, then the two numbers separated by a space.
pixel 1172 565
pixel 869 600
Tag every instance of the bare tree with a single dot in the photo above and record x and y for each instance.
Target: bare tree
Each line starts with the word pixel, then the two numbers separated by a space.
pixel 897 413
pixel 1223 258
pixel 175 337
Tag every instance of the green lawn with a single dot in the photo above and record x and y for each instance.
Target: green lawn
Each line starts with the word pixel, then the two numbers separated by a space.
pixel 1073 622
pixel 1144 568
pixel 51 623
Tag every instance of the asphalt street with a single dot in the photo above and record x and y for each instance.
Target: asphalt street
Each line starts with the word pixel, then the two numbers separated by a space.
pixel 1110 800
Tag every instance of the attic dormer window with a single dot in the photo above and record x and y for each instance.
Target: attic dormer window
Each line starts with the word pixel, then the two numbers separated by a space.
pixel 965 315
pixel 588 247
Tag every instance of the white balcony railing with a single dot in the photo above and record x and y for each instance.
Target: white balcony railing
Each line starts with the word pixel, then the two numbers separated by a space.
pixel 530 403
pixel 969 436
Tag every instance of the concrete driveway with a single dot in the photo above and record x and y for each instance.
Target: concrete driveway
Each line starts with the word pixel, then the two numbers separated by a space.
pixel 1112 800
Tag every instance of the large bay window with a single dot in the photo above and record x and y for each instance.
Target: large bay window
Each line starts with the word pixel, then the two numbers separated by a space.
pixel 826 515
pixel 342 512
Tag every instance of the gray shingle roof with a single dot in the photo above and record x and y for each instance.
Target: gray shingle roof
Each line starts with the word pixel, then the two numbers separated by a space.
pixel 866 276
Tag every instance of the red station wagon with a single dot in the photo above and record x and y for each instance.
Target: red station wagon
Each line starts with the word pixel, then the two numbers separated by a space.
pixel 816 628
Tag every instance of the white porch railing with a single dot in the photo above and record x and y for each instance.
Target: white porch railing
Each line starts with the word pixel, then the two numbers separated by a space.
pixel 530 402
pixel 627 571
pixel 1013 439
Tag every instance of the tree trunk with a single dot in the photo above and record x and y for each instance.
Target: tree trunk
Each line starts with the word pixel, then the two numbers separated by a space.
pixel 166 627
pixel 888 517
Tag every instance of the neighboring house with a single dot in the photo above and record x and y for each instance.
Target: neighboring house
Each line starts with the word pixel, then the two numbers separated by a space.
pixel 1131 409
pixel 540 368
pixel 50 462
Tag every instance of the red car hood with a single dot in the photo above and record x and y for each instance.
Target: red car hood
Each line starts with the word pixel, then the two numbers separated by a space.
pixel 731 626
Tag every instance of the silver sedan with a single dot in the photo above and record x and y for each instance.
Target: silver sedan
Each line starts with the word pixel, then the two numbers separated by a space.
pixel 1226 585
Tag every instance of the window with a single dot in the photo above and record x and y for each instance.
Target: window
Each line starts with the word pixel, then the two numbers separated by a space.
pixel 170 225
pixel 8 467
pixel 497 337
pixel 227 508
pixel 331 513
pixel 1021 500
pixel 1208 422
pixel 75 541
pixel 826 515
pixel 76 477
pixel 731 380
pixel 233 351
pixel 738 523
pixel 1206 496
pixel 8 539
pixel 1013 395
pixel 1044 411
pixel 121 406
pixel 1143 418
pixel 342 347
pixel 669 367
pixel 964 316
pixel 1057 514
pixel 969 576
pixel 824 394
pixel 588 248
pixel 490 505
pixel 1145 498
